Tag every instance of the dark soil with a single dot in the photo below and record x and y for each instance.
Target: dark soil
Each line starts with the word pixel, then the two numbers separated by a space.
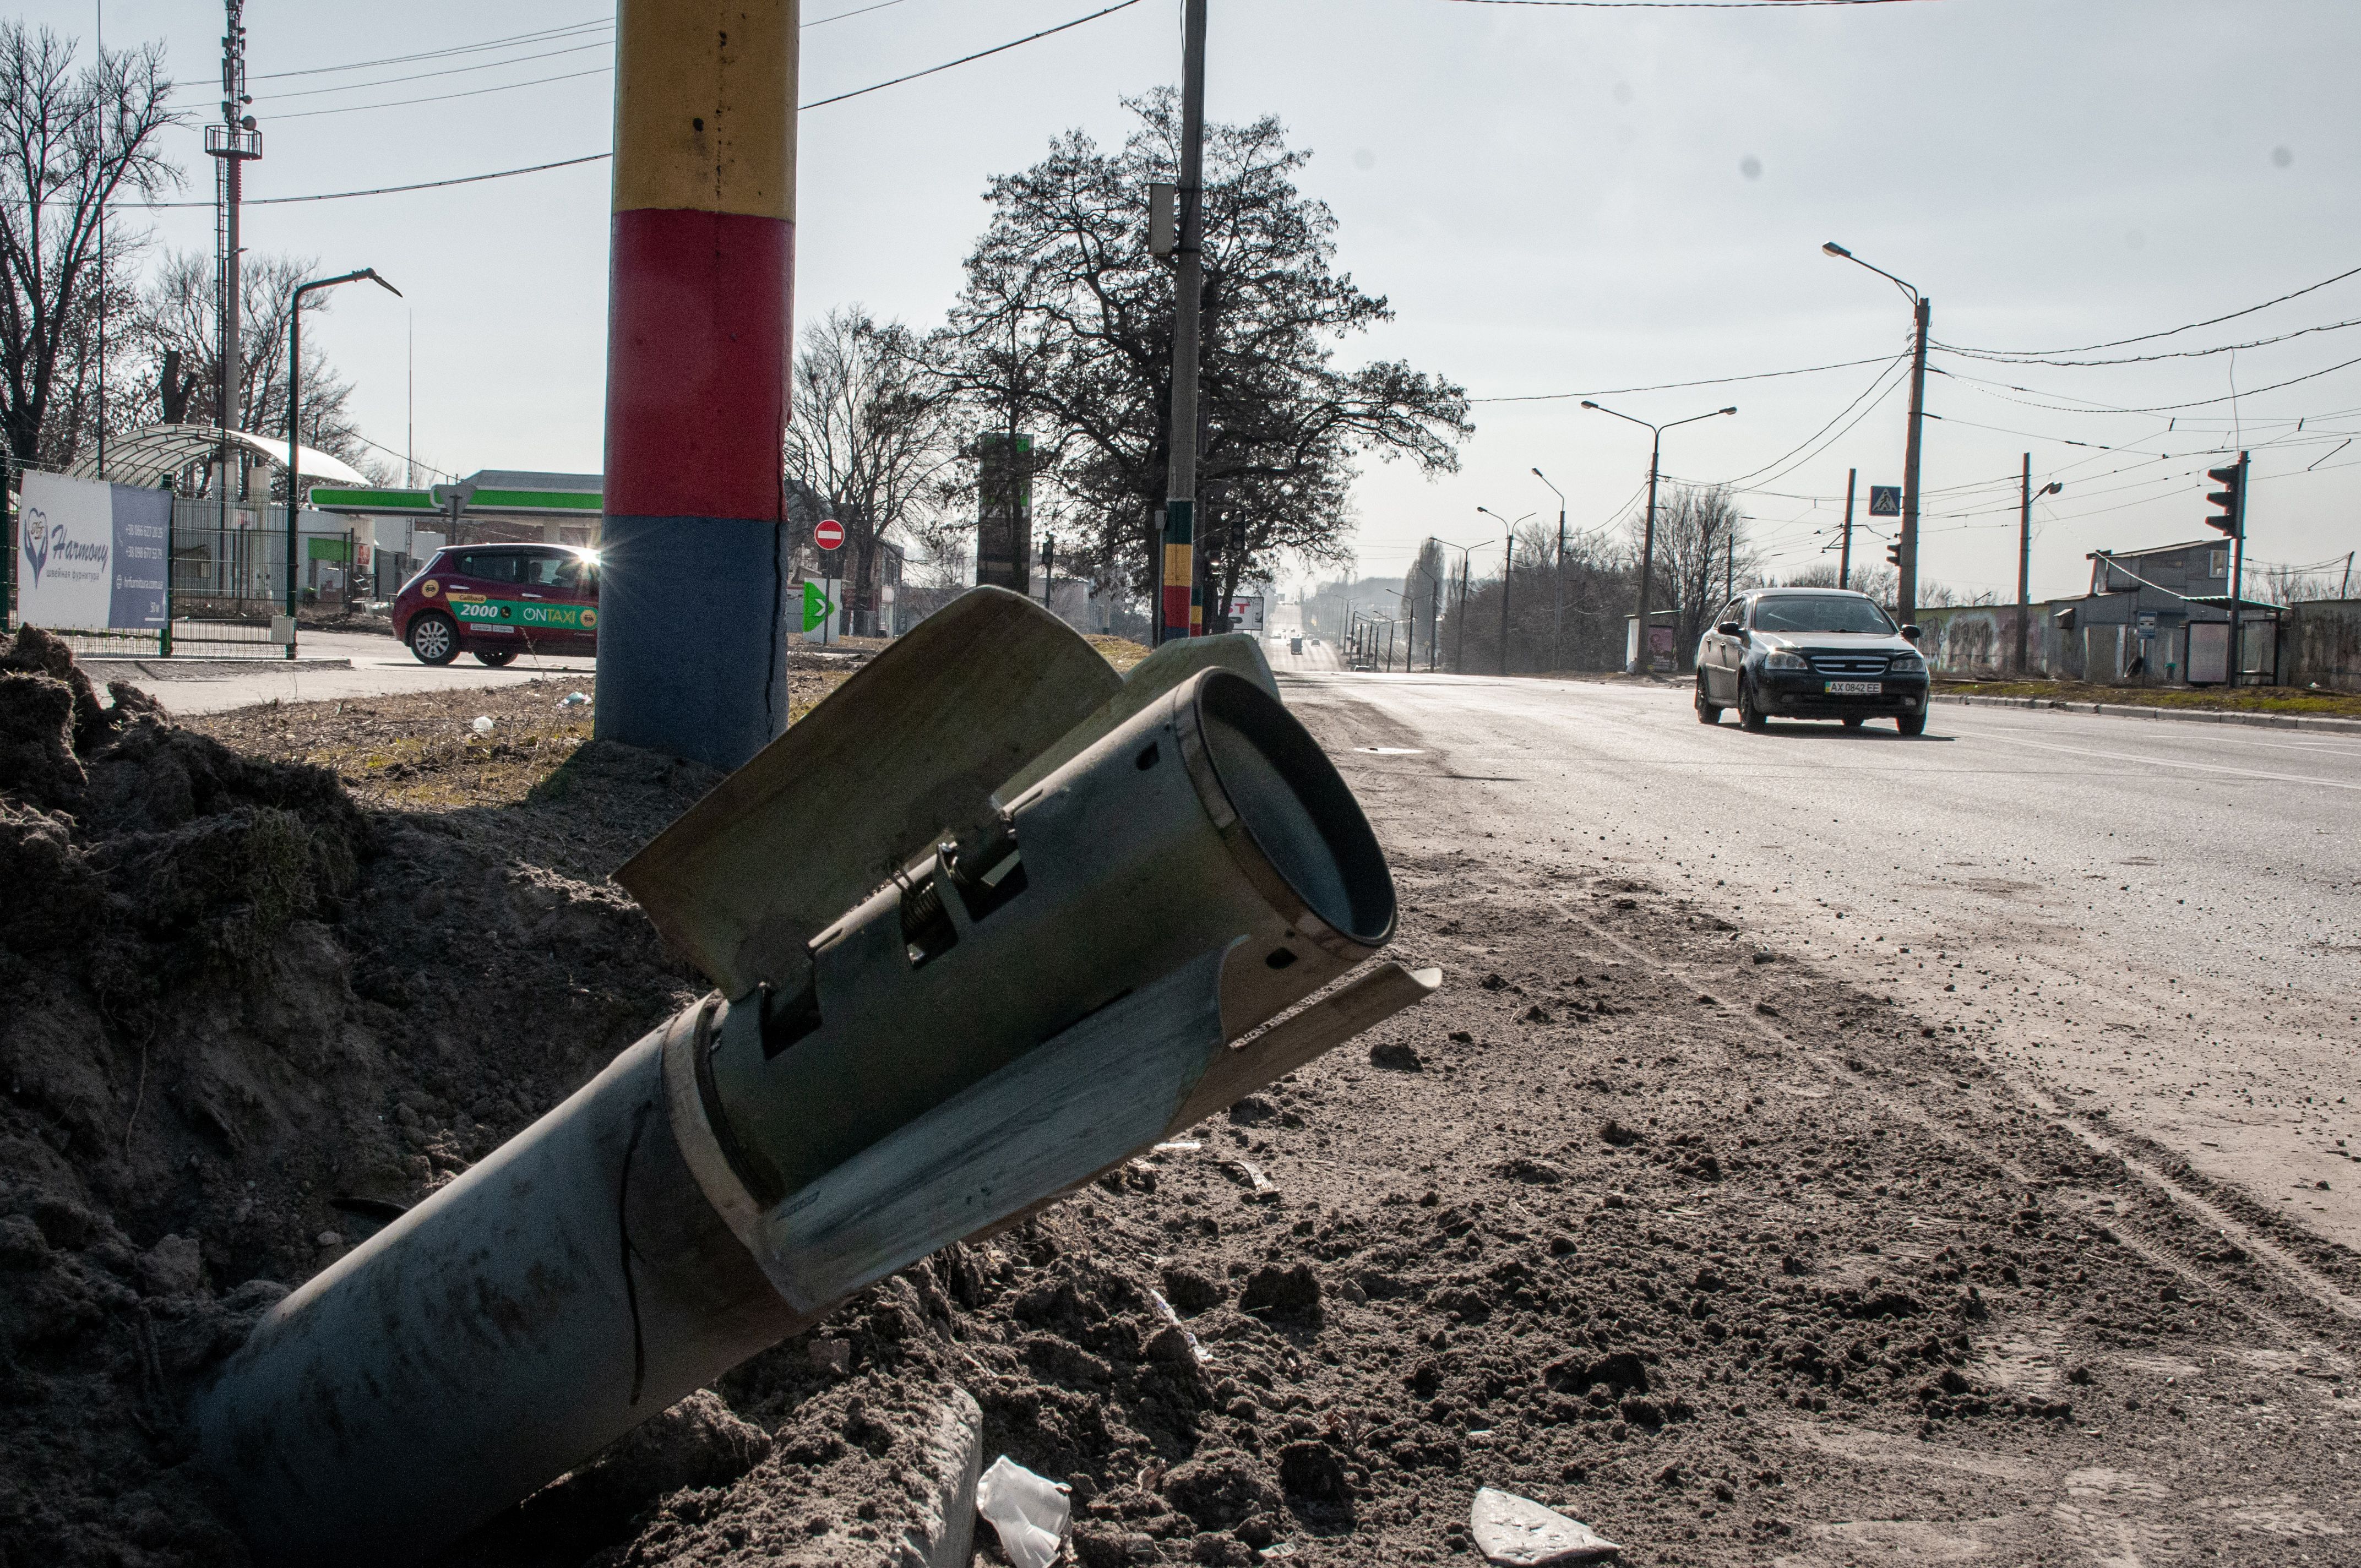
pixel 1666 1231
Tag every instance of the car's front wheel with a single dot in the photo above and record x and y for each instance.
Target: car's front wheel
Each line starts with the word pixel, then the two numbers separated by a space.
pixel 498 658
pixel 1750 716
pixel 433 639
pixel 1706 711
pixel 1911 723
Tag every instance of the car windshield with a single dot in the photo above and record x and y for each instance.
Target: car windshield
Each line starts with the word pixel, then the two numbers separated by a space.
pixel 1820 612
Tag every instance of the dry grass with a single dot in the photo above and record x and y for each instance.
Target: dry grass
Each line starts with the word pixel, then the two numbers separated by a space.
pixel 1120 652
pixel 2248 700
pixel 420 751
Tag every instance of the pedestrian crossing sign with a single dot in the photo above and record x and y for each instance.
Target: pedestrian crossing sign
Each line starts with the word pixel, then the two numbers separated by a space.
pixel 1885 500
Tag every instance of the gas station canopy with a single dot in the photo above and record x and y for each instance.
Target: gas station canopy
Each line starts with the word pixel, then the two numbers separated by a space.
pixel 493 492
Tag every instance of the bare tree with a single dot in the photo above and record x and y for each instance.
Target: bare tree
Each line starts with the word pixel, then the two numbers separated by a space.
pixel 177 331
pixel 873 434
pixel 71 142
pixel 1701 552
pixel 1067 320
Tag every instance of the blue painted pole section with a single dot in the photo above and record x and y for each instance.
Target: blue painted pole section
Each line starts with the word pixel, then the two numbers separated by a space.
pixel 693 627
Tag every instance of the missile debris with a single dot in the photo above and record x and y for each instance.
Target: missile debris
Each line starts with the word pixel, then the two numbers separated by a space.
pixel 1057 917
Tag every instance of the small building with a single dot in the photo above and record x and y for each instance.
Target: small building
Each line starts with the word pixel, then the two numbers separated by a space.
pixel 2161 617
pixel 2154 617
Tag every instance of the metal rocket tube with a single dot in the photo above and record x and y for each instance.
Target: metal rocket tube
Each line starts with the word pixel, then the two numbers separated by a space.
pixel 561 1291
pixel 1024 1007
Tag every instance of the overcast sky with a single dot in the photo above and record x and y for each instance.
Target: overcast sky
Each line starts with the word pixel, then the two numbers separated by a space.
pixel 1556 199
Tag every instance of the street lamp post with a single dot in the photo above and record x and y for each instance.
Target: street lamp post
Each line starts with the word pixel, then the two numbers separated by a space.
pixel 295 414
pixel 1508 570
pixel 1905 591
pixel 1640 661
pixel 2025 555
pixel 1557 603
pixel 1458 621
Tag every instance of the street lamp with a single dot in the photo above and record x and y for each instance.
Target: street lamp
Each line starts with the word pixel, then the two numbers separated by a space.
pixel 1508 567
pixel 1905 591
pixel 1459 621
pixel 1557 603
pixel 1640 661
pixel 2025 555
pixel 295 415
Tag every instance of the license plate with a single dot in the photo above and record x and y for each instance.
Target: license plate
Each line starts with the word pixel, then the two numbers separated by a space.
pixel 1854 689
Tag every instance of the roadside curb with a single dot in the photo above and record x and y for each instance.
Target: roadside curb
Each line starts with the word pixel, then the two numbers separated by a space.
pixel 2183 715
pixel 176 669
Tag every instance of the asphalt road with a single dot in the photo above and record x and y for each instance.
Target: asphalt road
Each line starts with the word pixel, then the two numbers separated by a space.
pixel 2161 921
pixel 380 666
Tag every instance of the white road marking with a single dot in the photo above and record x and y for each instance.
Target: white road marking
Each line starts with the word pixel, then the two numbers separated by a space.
pixel 2173 762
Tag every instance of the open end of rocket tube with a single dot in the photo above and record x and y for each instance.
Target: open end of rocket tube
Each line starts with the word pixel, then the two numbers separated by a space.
pixel 1296 807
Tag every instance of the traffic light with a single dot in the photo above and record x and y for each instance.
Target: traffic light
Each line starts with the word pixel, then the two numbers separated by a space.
pixel 1893 555
pixel 2230 497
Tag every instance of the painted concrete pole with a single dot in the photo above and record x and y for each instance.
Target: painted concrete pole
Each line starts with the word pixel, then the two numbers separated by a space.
pixel 692 645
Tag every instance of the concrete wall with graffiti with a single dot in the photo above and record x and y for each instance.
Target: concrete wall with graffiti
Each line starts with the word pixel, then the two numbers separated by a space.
pixel 2320 643
pixel 1979 642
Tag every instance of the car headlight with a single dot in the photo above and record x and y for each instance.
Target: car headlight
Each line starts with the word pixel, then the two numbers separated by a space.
pixel 1784 661
pixel 1906 664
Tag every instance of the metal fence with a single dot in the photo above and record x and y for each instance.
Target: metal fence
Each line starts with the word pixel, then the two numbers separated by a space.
pixel 229 585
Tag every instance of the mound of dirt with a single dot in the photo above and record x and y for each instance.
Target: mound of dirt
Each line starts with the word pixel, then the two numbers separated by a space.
pixel 241 1020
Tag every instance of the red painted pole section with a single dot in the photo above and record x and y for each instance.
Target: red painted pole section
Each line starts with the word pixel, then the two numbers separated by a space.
pixel 694 626
pixel 698 327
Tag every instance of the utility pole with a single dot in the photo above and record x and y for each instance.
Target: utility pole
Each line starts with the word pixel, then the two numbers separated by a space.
pixel 1557 607
pixel 1844 556
pixel 1906 547
pixel 1907 591
pixel 1434 620
pixel 2024 560
pixel 1642 662
pixel 1187 293
pixel 230 144
pixel 693 597
pixel 1508 573
pixel 1459 649
pixel 1730 564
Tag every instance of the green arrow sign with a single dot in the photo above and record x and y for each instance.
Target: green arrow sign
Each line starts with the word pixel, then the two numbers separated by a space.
pixel 816 606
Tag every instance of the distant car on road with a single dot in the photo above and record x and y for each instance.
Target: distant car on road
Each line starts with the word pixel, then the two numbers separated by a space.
pixel 1295 644
pixel 1810 653
pixel 497 601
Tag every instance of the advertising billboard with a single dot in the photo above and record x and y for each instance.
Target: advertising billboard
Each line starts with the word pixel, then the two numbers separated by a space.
pixel 91 555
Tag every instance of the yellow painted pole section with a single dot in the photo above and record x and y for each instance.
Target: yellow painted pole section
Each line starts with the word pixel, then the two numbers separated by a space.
pixel 705 113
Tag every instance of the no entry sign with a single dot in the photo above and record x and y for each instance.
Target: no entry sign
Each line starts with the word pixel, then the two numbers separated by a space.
pixel 827 533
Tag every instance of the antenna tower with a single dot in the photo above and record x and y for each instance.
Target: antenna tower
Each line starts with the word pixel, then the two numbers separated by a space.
pixel 230 143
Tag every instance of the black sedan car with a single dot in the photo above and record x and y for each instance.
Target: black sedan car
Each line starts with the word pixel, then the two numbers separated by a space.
pixel 1810 653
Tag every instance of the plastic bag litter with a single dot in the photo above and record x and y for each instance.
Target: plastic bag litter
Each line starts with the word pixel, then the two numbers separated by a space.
pixel 1028 1510
pixel 483 724
pixel 1520 1533
pixel 574 699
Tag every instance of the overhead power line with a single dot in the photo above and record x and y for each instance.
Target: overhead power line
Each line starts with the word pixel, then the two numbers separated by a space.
pixel 2090 407
pixel 1676 386
pixel 425 75
pixel 980 54
pixel 2148 336
pixel 542 36
pixel 1684 4
pixel 2146 359
pixel 595 157
pixel 443 97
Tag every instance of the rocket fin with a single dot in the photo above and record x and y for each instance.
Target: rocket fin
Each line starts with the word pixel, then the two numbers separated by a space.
pixel 910 746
